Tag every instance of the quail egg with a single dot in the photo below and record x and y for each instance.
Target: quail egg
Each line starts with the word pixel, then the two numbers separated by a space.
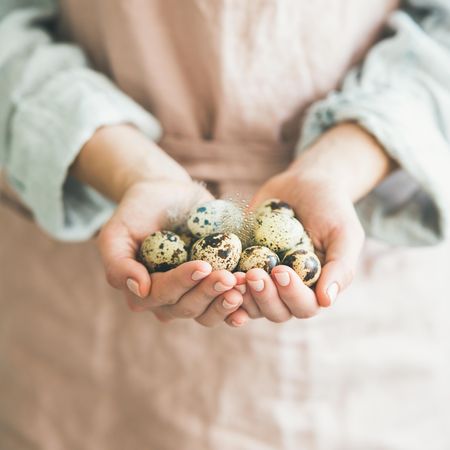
pixel 275 205
pixel 306 264
pixel 188 239
pixel 162 251
pixel 306 243
pixel 214 217
pixel 279 232
pixel 258 257
pixel 185 235
pixel 221 250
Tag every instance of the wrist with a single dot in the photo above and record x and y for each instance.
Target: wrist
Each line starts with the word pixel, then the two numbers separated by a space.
pixel 119 156
pixel 149 164
pixel 349 158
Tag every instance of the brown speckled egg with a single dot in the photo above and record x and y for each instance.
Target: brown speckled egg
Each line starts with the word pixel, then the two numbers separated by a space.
pixel 187 238
pixel 275 205
pixel 306 243
pixel 221 250
pixel 162 251
pixel 258 257
pixel 215 216
pixel 280 232
pixel 306 264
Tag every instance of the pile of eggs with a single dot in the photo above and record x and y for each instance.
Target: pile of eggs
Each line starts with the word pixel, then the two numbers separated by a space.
pixel 219 233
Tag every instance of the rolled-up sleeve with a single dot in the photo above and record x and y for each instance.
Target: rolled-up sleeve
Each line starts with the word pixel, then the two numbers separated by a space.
pixel 401 94
pixel 51 104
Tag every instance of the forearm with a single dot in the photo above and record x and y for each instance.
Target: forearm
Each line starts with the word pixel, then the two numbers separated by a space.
pixel 350 156
pixel 118 156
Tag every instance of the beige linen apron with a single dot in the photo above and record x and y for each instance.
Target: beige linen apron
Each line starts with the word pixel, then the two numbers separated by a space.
pixel 78 371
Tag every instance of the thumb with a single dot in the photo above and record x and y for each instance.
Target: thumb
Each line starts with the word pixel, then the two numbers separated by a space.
pixel 342 251
pixel 259 197
pixel 118 252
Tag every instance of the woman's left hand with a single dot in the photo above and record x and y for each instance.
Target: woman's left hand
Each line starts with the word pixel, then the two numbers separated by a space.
pixel 329 217
pixel 321 186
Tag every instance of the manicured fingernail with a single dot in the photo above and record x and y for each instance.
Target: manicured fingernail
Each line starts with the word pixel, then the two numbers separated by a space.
pixel 257 285
pixel 197 275
pixel 228 305
pixel 282 278
pixel 241 288
pixel 332 292
pixel 220 287
pixel 133 286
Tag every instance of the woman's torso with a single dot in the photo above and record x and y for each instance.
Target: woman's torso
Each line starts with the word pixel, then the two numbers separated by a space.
pixel 228 80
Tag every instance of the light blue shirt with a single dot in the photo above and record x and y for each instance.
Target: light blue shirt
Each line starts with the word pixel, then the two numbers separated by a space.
pixel 51 103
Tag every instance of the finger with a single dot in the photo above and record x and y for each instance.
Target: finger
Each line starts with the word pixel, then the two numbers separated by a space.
pixel 196 301
pixel 265 294
pixel 135 303
pixel 299 298
pixel 161 313
pixel 342 250
pixel 249 305
pixel 169 287
pixel 118 252
pixel 259 197
pixel 240 282
pixel 238 318
pixel 220 308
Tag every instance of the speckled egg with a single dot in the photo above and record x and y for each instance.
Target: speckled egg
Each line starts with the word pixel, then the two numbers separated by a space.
pixel 275 205
pixel 305 243
pixel 188 239
pixel 162 251
pixel 186 236
pixel 279 232
pixel 221 250
pixel 306 264
pixel 258 257
pixel 214 217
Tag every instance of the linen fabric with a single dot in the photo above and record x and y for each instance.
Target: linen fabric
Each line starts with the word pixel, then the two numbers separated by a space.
pixel 78 371
pixel 228 72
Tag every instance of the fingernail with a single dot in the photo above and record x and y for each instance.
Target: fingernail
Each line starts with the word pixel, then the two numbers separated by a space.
pixel 332 292
pixel 235 323
pixel 220 287
pixel 283 278
pixel 197 275
pixel 257 286
pixel 228 305
pixel 241 288
pixel 133 286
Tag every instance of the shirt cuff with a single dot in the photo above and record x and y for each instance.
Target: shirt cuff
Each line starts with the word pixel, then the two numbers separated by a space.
pixel 410 207
pixel 48 130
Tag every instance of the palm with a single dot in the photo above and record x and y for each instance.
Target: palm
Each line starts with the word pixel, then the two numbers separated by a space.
pixel 319 206
pixel 142 211
pixel 191 289
pixel 329 217
pixel 144 208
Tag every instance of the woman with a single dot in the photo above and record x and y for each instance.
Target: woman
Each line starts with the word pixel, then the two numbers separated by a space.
pixel 216 91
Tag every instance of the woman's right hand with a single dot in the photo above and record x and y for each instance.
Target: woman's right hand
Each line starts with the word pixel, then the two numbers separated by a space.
pixel 191 290
pixel 125 166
